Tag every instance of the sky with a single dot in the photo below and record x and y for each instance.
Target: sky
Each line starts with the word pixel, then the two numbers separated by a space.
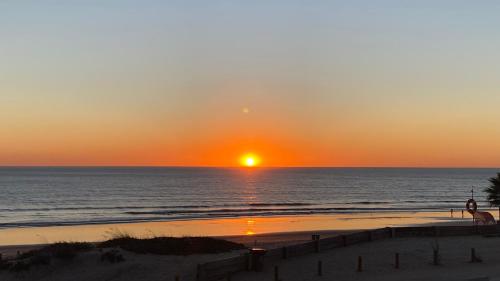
pixel 298 83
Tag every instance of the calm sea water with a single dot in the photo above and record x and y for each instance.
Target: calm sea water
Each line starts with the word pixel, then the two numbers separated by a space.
pixel 58 196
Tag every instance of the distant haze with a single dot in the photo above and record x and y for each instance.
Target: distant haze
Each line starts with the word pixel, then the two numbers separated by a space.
pixel 298 83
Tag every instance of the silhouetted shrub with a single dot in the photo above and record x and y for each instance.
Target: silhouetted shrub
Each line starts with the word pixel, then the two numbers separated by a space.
pixel 112 256
pixel 61 250
pixel 43 256
pixel 172 245
pixel 18 266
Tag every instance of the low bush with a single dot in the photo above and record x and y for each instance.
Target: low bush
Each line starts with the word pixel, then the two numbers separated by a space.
pixel 112 256
pixel 61 250
pixel 44 255
pixel 172 245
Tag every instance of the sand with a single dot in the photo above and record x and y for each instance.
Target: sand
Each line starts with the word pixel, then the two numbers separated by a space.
pixel 338 264
pixel 248 226
pixel 378 261
pixel 88 266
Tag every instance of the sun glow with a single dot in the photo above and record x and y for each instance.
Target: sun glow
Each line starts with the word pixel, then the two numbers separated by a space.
pixel 249 160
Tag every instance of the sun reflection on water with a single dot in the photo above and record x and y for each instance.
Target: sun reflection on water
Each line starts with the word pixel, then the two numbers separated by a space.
pixel 250 227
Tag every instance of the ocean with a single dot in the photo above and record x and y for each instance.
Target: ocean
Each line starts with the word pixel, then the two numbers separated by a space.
pixel 45 196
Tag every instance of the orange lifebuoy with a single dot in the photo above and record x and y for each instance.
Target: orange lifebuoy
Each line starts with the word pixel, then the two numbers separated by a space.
pixel 473 208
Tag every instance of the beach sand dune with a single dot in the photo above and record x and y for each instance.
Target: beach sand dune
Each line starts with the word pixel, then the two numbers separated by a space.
pixel 142 267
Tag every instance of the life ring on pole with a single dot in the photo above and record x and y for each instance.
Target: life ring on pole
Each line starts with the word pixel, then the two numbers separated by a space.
pixel 471 206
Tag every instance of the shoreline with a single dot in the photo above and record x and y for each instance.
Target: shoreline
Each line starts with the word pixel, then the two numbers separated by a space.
pixel 259 231
pixel 188 219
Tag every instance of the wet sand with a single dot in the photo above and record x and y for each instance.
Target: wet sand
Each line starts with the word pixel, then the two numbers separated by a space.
pixel 265 232
pixel 249 227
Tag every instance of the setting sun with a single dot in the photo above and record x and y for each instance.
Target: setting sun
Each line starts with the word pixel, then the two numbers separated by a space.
pixel 249 160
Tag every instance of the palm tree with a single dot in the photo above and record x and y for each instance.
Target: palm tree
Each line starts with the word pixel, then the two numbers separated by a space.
pixel 494 191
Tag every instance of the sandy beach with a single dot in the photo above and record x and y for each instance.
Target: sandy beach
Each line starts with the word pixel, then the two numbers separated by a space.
pixel 248 227
pixel 416 261
pixel 378 259
pixel 341 264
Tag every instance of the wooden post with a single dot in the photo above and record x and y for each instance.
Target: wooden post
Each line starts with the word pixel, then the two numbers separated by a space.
pixel 435 257
pixel 473 255
pixel 436 231
pixel 276 273
pixel 284 253
pixel 463 213
pixel 320 268
pixel 315 238
pixel 198 271
pixel 360 264
pixel 316 246
pixel 451 213
pixel 396 261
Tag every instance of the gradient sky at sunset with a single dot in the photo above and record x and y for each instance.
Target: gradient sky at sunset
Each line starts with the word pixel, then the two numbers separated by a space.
pixel 299 83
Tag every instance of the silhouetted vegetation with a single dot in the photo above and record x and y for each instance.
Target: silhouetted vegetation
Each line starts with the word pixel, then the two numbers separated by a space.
pixel 112 256
pixel 67 251
pixel 63 251
pixel 172 245
pixel 493 191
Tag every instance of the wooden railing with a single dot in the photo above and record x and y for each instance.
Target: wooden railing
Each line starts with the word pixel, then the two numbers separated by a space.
pixel 217 270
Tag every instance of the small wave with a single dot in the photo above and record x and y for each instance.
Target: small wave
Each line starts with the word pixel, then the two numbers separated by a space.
pixel 277 210
pixel 278 204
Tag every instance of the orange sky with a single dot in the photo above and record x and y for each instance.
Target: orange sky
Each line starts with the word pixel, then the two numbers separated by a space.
pixel 323 84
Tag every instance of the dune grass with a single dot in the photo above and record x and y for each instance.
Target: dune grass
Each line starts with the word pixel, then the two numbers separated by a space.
pixel 172 245
pixel 63 251
pixel 60 250
pixel 67 251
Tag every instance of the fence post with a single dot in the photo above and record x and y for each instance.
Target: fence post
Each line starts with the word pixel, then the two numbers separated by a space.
pixel 198 272
pixel 360 264
pixel 320 268
pixel 436 231
pixel 316 239
pixel 284 253
pixel 396 261
pixel 276 273
pixel 435 257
